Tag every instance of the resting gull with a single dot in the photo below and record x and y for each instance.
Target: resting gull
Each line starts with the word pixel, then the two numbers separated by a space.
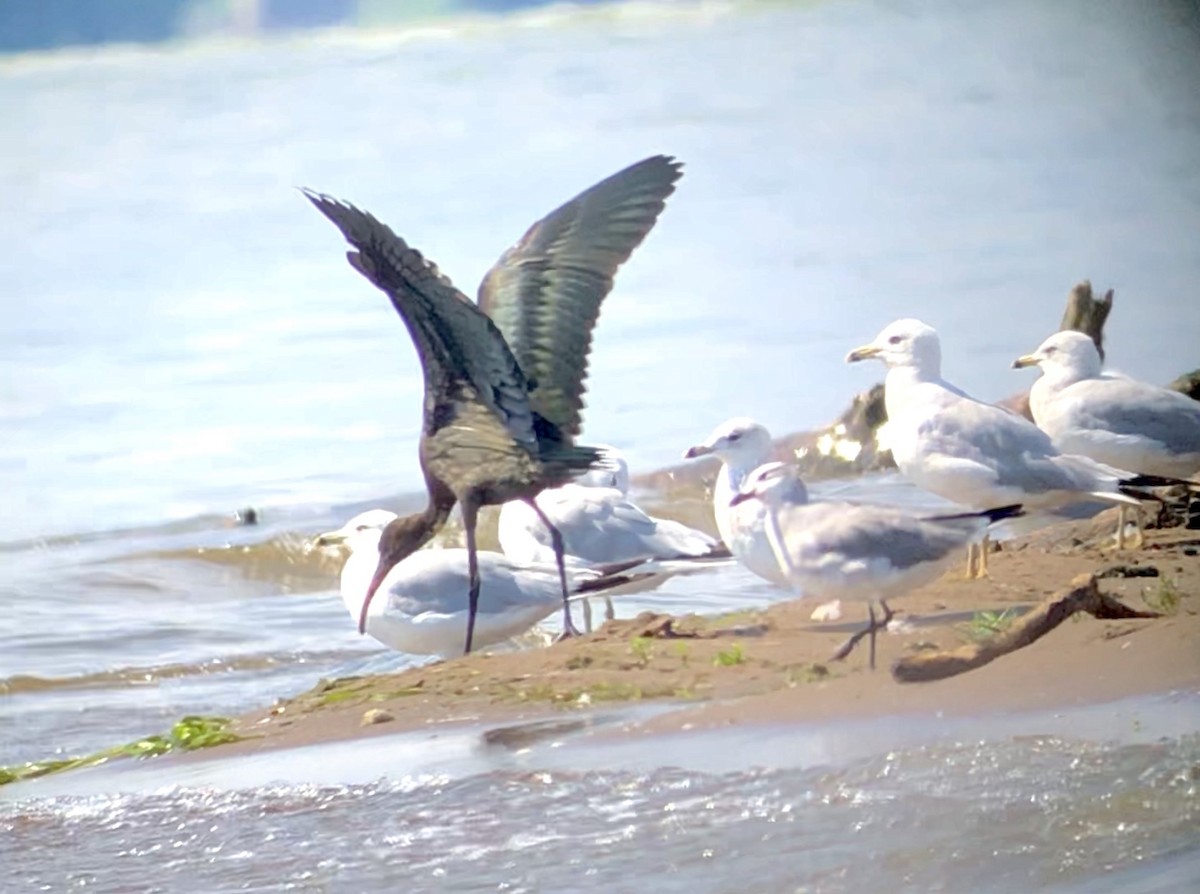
pixel 600 525
pixel 1112 419
pixel 425 604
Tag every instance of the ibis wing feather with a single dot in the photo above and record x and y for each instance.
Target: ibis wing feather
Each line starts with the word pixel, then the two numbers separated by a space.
pixel 544 293
pixel 461 350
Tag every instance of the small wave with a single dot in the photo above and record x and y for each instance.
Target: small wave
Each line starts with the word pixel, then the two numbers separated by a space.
pixel 287 552
pixel 128 677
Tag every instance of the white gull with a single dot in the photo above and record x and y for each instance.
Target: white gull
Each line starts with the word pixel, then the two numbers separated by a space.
pixel 424 606
pixel 1111 418
pixel 600 525
pixel 972 453
pixel 742 445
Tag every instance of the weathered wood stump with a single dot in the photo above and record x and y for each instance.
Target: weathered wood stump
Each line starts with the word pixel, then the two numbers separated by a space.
pixel 1087 315
pixel 1189 384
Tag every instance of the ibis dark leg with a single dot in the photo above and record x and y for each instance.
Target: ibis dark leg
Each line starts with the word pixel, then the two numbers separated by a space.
pixel 469 512
pixel 556 541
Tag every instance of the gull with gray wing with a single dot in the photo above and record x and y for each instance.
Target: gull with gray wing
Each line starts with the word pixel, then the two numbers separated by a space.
pixel 1111 418
pixel 854 551
pixel 972 453
pixel 601 525
pixel 425 606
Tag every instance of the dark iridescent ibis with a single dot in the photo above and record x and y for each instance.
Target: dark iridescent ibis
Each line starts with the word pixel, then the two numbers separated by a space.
pixel 504 378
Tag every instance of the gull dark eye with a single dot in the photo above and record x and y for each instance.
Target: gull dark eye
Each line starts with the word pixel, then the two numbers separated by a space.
pixel 735 436
pixel 1050 350
pixel 894 340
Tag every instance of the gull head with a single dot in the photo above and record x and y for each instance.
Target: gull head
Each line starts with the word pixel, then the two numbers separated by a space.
pixel 773 483
pixel 611 471
pixel 378 531
pixel 904 343
pixel 361 532
pixel 739 441
pixel 1065 353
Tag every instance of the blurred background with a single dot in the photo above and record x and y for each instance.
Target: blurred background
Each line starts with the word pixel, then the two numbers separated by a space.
pixel 182 337
pixel 46 24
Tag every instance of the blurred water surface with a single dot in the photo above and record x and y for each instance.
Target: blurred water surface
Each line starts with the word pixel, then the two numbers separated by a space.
pixel 183 337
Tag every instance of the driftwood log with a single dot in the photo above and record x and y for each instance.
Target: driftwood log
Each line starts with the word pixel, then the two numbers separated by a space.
pixel 1081 595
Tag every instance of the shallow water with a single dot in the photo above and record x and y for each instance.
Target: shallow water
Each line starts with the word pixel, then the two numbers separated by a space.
pixel 1096 799
pixel 184 338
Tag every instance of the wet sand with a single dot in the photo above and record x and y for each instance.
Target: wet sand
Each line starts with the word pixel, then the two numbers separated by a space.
pixel 771 666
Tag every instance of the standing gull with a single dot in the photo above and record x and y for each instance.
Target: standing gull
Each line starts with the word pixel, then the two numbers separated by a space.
pixel 425 609
pixel 601 525
pixel 504 378
pixel 855 551
pixel 1112 419
pixel 975 454
pixel 742 445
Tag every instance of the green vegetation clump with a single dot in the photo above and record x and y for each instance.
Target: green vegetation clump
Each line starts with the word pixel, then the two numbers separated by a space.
pixel 189 734
pixel 640 647
pixel 984 625
pixel 730 657
pixel 1164 598
pixel 335 696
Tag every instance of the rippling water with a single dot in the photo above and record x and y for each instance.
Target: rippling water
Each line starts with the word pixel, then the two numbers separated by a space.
pixel 991 811
pixel 184 338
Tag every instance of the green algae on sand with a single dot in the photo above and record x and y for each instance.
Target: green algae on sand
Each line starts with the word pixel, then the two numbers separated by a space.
pixel 189 734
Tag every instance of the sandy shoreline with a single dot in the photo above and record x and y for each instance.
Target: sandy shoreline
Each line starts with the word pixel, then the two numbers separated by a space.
pixel 770 666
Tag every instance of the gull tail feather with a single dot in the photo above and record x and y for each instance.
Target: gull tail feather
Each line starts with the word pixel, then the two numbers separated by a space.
pixel 992 515
pixel 646 573
pixel 610 582
pixel 1132 487
pixel 1158 481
